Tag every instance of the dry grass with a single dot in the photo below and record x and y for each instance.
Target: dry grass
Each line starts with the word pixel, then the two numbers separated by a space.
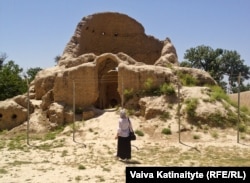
pixel 58 159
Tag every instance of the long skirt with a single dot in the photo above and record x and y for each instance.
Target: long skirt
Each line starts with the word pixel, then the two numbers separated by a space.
pixel 124 148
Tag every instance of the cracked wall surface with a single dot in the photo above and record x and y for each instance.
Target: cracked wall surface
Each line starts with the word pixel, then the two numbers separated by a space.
pixel 113 33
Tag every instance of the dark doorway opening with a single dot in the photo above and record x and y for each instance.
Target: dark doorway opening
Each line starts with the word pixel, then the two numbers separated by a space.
pixel 108 85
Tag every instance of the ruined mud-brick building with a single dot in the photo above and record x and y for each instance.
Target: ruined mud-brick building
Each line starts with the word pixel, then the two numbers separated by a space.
pixel 108 53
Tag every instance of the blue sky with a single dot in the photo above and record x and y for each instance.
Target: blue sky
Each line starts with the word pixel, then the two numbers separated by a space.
pixel 33 32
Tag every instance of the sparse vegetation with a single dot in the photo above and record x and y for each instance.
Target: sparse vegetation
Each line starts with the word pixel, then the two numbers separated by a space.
pixel 242 128
pixel 167 89
pixel 150 89
pixel 16 142
pixel 166 131
pixel 128 94
pixel 165 115
pixel 81 167
pixel 215 134
pixel 218 94
pixel 51 135
pixel 3 171
pixel 139 133
pixel 78 178
pixel 187 79
pixel 196 137
pixel 64 153
pixel 191 105
pixel 2 144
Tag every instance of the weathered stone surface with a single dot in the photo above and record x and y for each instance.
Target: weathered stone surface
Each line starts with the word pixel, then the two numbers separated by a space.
pixel 131 77
pixel 44 82
pixel 112 33
pixel 47 99
pixel 11 114
pixel 151 107
pixel 22 100
pixel 168 55
pixel 56 113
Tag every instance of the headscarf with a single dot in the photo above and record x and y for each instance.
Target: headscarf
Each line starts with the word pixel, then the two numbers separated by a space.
pixel 123 113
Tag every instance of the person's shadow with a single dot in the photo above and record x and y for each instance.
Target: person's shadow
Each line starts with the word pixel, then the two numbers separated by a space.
pixel 131 162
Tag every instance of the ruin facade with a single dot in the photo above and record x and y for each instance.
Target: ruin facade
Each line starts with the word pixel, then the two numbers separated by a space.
pixel 108 53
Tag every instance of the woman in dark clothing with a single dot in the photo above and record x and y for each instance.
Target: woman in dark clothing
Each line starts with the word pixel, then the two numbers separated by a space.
pixel 124 143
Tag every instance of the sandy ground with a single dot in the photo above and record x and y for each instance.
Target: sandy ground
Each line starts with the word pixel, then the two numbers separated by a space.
pixel 90 158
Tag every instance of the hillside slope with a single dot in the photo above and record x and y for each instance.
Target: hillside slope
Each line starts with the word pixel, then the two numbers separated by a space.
pixel 244 98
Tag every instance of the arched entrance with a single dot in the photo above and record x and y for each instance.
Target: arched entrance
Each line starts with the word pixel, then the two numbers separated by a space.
pixel 108 84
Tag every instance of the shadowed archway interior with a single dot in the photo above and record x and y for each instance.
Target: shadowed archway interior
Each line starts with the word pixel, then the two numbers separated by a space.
pixel 108 85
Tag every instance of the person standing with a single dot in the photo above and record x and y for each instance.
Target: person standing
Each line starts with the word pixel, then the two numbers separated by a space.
pixel 123 143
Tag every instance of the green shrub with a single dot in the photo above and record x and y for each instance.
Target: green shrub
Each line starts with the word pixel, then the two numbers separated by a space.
pixel 242 128
pixel 215 135
pixel 245 110
pixel 149 89
pixel 232 118
pixel 128 94
pixel 216 119
pixel 218 94
pixel 196 137
pixel 167 89
pixel 191 105
pixel 81 167
pixel 148 84
pixel 165 115
pixel 166 131
pixel 139 133
pixel 3 171
pixel 187 79
pixel 170 66
pixel 51 135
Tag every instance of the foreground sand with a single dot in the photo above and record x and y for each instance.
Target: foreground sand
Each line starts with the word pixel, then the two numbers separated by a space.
pixel 91 157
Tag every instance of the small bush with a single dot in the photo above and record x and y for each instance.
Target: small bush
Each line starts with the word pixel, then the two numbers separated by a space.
pixel 215 135
pixel 81 167
pixel 216 119
pixel 165 115
pixel 51 135
pixel 166 131
pixel 3 171
pixel 150 89
pixel 196 137
pixel 64 153
pixel 139 133
pixel 148 84
pixel 219 94
pixel 245 110
pixel 242 128
pixel 187 80
pixel 167 89
pixel 128 94
pixel 191 105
